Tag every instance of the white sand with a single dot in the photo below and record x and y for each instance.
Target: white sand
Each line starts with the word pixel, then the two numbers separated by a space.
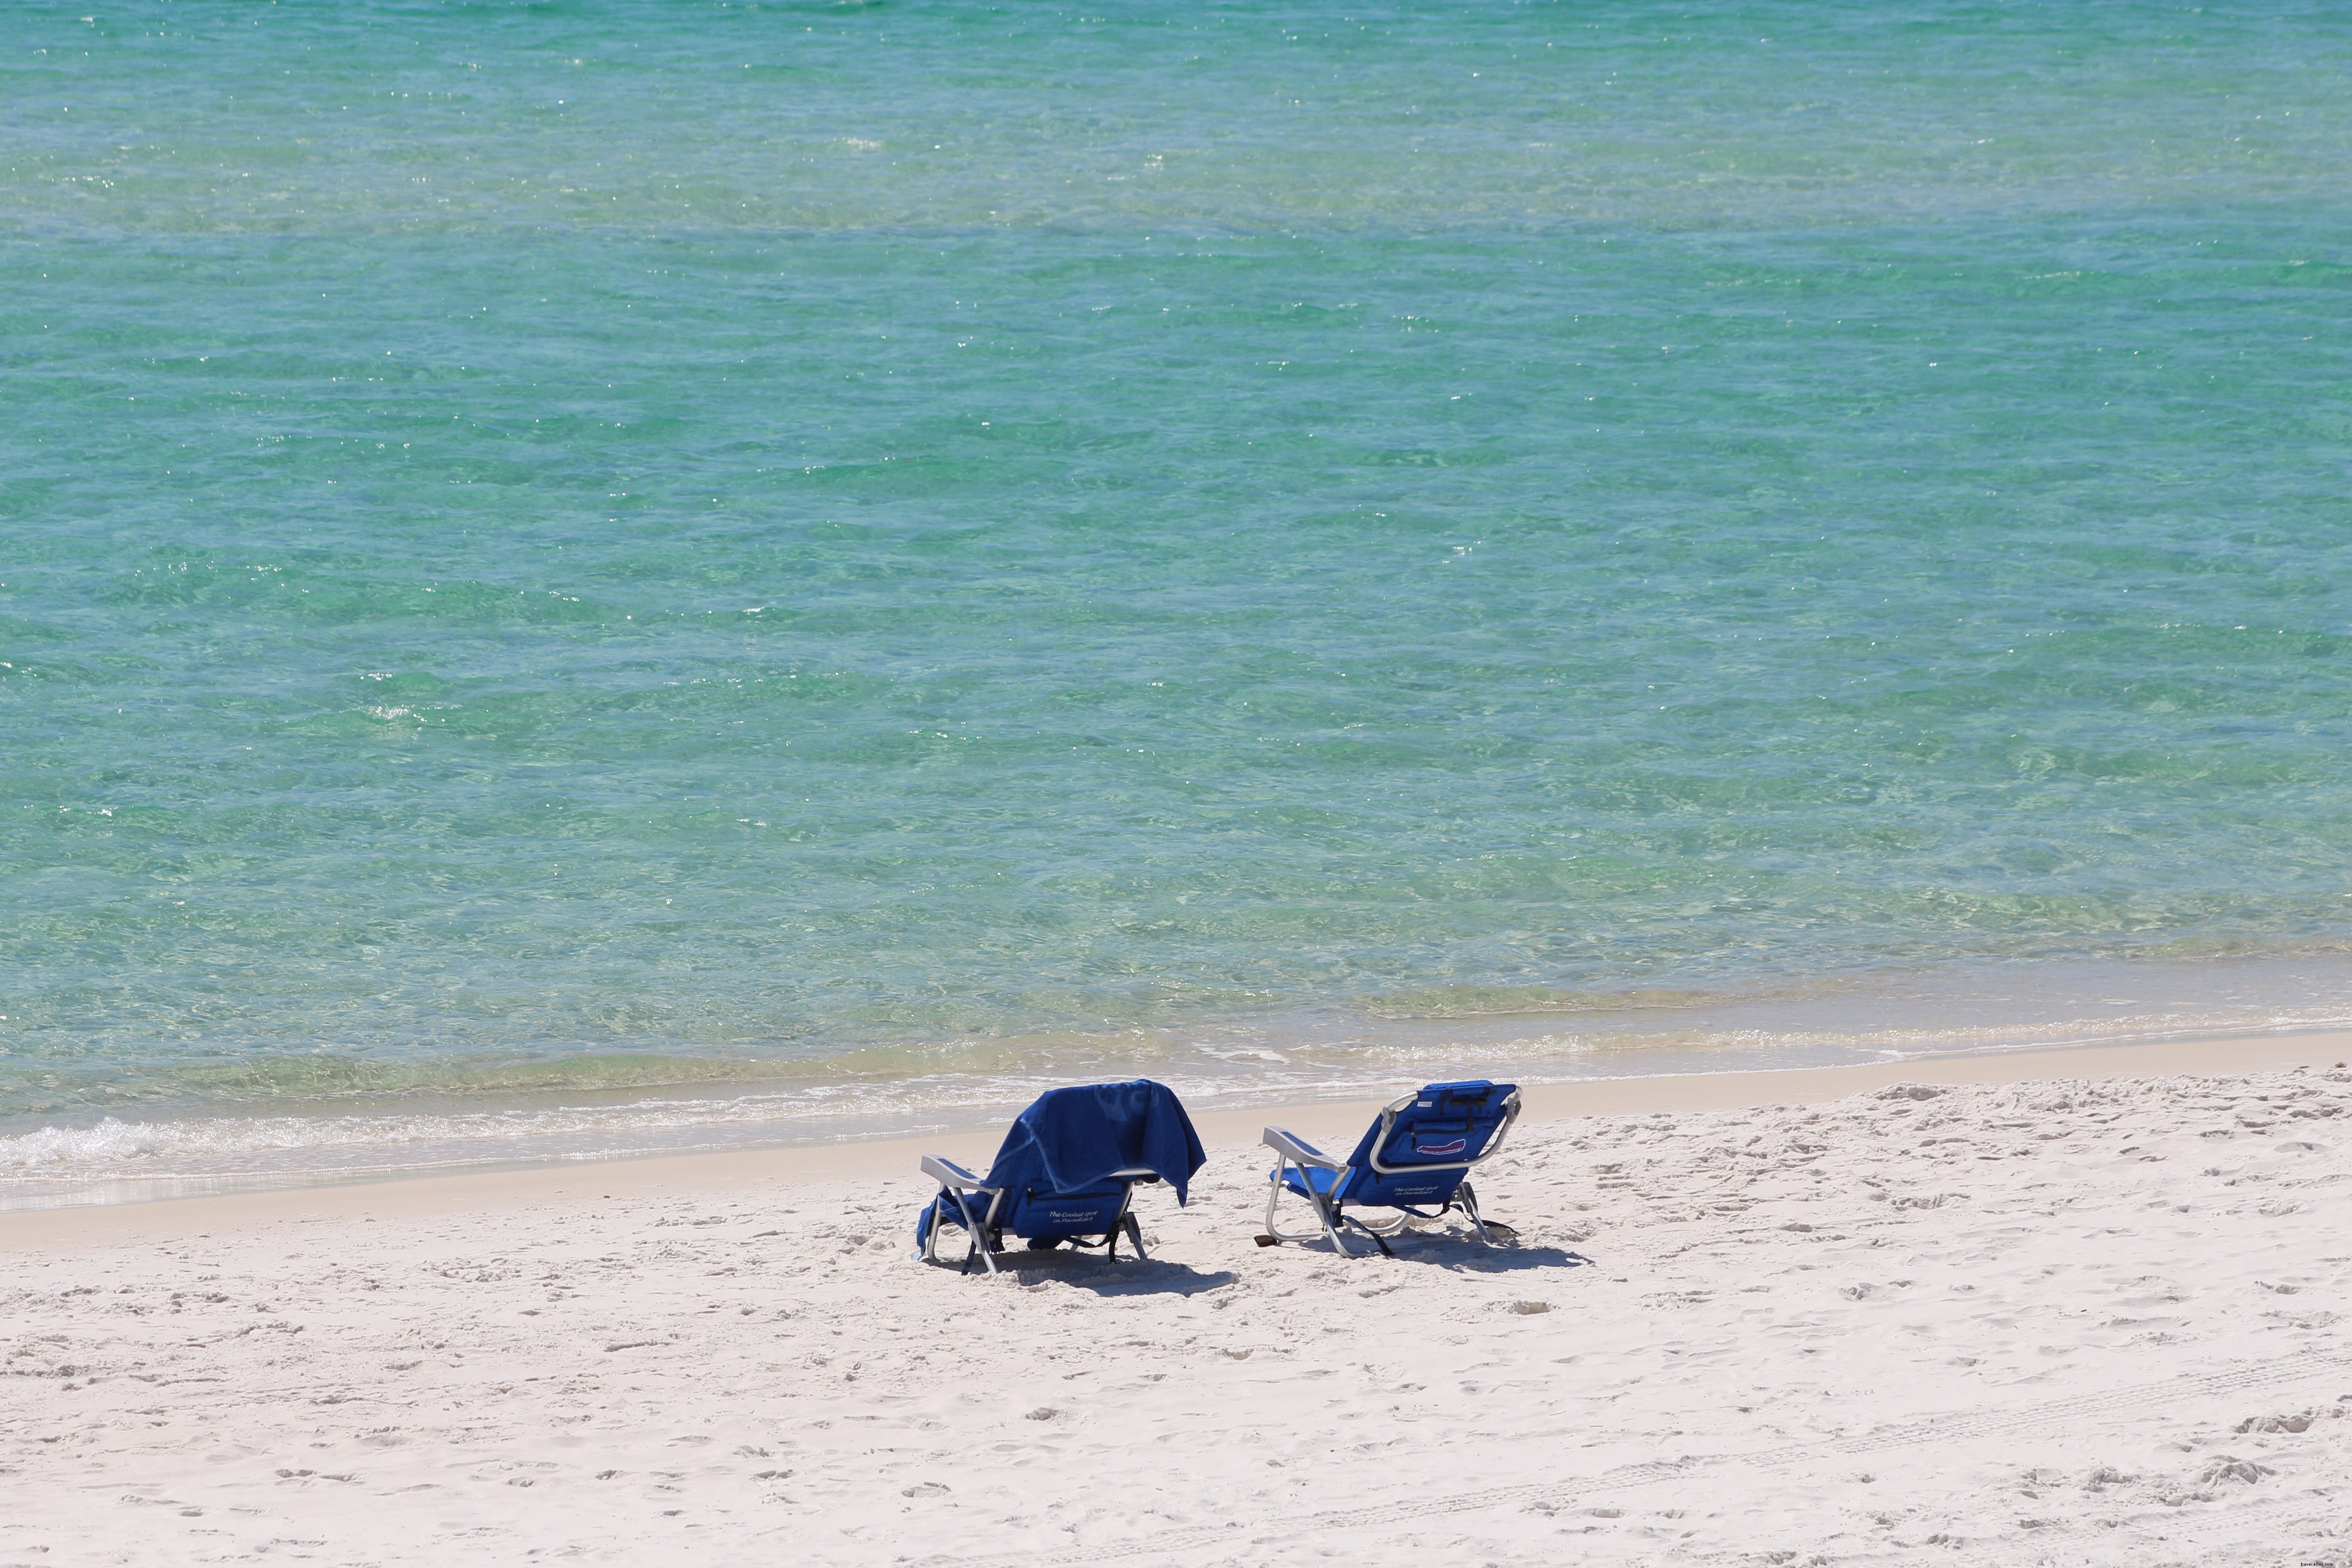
pixel 2087 1321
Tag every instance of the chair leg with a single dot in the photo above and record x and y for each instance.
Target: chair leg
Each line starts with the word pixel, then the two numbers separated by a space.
pixel 975 1228
pixel 1469 1202
pixel 1329 1213
pixel 1327 1216
pixel 1134 1235
pixel 1272 1237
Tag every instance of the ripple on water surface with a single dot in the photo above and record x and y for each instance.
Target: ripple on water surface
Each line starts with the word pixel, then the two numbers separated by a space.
pixel 746 564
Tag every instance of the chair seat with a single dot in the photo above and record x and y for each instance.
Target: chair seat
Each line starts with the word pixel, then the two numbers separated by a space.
pixel 1319 1180
pixel 1403 1190
pixel 1046 1216
pixel 1060 1217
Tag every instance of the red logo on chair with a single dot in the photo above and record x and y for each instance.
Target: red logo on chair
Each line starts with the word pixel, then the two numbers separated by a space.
pixel 1456 1147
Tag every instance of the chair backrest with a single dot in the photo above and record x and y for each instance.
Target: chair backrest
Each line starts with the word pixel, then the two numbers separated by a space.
pixel 1074 1140
pixel 1063 1215
pixel 1421 1147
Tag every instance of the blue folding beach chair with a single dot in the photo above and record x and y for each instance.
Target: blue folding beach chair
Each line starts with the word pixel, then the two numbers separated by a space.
pixel 1415 1158
pixel 1067 1173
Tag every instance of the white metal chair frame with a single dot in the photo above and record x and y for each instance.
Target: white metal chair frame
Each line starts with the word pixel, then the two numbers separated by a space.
pixel 1290 1149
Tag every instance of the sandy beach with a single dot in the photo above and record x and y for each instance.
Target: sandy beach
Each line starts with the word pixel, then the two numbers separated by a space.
pixel 619 620
pixel 2071 1307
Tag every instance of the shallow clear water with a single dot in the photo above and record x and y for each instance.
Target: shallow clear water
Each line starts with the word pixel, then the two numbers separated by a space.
pixel 562 552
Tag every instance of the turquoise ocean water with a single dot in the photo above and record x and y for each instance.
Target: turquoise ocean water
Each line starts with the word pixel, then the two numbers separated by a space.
pixel 578 577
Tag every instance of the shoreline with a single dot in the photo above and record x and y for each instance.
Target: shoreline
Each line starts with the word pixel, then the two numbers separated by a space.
pixel 91 1149
pixel 735 1171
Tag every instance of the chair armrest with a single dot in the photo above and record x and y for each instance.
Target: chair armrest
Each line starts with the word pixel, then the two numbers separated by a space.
pixel 1296 1149
pixel 948 1173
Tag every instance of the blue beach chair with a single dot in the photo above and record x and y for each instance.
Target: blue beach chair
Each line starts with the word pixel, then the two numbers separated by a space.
pixel 1414 1159
pixel 1067 1173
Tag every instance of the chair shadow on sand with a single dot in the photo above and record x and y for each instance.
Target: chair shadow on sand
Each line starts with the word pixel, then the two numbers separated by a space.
pixel 1475 1259
pixel 1460 1254
pixel 1105 1277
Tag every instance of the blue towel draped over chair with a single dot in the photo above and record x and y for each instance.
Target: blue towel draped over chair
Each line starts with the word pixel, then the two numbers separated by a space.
pixel 1072 1138
pixel 1066 1170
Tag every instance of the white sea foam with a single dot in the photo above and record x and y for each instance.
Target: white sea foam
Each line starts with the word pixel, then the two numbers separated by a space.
pixel 1239 1067
pixel 112 1147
